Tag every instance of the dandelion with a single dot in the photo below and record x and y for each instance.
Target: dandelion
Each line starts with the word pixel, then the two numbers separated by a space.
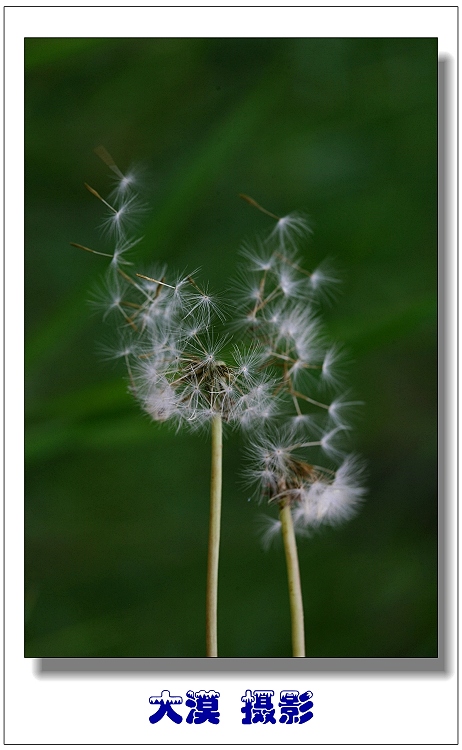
pixel 284 459
pixel 124 184
pixel 332 366
pixel 340 408
pixel 259 257
pixel 276 382
pixel 270 529
pixel 122 216
pixel 290 229
pixel 324 282
pixel 122 247
pixel 179 371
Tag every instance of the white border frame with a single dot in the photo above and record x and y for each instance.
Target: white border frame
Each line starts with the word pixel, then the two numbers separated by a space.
pixel 350 708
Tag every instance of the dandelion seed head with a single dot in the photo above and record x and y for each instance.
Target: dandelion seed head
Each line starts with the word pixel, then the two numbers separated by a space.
pixel 341 408
pixel 248 362
pixel 332 371
pixel 180 371
pixel 259 257
pixel 125 183
pixel 330 441
pixel 273 317
pixel 290 286
pixel 324 282
pixel 119 220
pixel 300 422
pixel 109 295
pixel 290 229
pixel 122 247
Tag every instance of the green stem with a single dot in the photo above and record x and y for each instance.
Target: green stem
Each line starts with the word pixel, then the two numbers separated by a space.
pixel 214 538
pixel 293 576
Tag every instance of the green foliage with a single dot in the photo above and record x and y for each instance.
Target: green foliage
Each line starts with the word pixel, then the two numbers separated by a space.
pixel 117 508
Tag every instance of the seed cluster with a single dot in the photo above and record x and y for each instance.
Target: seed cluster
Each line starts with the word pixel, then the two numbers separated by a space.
pixel 280 383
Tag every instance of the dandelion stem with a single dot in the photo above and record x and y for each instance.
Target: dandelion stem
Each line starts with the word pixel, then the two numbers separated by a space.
pixel 293 576
pixel 214 537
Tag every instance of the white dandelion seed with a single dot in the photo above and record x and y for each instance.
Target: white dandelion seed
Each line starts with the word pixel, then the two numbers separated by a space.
pixel 269 529
pixel 290 229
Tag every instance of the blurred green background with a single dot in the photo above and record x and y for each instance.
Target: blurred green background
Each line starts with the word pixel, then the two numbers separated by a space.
pixel 116 507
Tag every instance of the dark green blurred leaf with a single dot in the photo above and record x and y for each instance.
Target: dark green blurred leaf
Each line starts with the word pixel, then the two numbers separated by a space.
pixel 383 327
pixel 43 52
pixel 116 508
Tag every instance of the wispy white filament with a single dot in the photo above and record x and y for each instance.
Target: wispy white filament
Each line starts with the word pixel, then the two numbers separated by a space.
pixel 275 374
